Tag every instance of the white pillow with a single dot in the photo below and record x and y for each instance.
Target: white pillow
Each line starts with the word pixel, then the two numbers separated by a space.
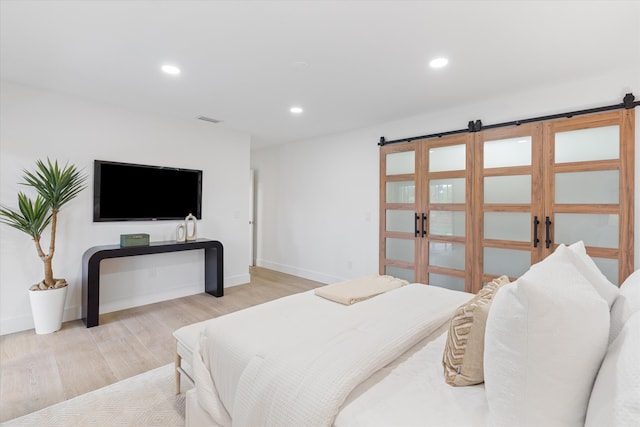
pixel 615 399
pixel 577 255
pixel 590 270
pixel 627 303
pixel 545 338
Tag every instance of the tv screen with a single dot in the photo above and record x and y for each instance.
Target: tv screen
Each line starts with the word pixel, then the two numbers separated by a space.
pixel 129 192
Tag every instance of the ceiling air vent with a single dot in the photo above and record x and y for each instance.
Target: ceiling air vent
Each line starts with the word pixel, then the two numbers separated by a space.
pixel 208 119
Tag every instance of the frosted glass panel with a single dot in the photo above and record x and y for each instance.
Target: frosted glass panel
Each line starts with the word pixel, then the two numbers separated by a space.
pixel 594 229
pixel 510 262
pixel 449 255
pixel 401 192
pixel 400 249
pixel 588 144
pixel 401 163
pixel 450 190
pixel 447 223
pixel 507 189
pixel 401 273
pixel 451 158
pixel 401 221
pixel 588 187
pixel 507 152
pixel 507 226
pixel 608 267
pixel 444 281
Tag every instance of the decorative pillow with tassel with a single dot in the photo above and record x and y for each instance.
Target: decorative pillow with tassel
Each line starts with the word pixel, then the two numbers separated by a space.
pixel 464 349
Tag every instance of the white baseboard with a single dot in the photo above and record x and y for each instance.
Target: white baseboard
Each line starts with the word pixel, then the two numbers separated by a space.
pixel 148 298
pixel 300 272
pixel 238 279
pixel 184 291
pixel 25 321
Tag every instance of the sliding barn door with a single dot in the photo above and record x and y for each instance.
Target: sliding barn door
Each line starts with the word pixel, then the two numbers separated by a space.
pixel 590 184
pixel 399 203
pixel 508 200
pixel 446 247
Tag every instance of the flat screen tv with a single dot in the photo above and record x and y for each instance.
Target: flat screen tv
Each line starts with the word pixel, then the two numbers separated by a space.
pixel 130 192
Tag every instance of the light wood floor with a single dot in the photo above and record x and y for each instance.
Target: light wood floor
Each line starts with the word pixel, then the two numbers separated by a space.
pixel 40 370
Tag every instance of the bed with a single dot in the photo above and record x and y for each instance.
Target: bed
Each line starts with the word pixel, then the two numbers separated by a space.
pixel 306 360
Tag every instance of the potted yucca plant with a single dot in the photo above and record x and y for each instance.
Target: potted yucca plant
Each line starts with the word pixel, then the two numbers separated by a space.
pixel 55 187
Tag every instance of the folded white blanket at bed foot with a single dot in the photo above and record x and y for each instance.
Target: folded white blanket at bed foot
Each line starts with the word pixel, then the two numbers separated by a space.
pixel 356 290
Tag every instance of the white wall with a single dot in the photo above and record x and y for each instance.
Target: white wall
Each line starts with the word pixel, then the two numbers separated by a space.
pixel 36 124
pixel 317 207
pixel 317 200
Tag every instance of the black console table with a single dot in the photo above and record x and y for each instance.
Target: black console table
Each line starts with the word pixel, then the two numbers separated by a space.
pixel 213 278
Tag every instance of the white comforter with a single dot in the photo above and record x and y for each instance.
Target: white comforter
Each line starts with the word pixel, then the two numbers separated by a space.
pixel 411 392
pixel 295 360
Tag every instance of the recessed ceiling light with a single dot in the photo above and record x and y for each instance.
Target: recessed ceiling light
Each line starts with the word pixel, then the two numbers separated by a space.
pixel 296 110
pixel 438 62
pixel 171 69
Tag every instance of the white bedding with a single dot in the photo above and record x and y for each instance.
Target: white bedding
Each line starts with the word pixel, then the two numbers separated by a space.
pixel 245 339
pixel 249 334
pixel 412 391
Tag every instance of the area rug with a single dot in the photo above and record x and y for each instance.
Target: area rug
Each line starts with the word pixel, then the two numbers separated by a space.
pixel 147 399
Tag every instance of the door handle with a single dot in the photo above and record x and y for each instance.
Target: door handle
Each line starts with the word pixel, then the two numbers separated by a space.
pixel 547 223
pixel 424 228
pixel 536 222
pixel 416 225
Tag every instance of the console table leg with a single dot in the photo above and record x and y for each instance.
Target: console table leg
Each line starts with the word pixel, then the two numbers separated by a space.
pixel 213 276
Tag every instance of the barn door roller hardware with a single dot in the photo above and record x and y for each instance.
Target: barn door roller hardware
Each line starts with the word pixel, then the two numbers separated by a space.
pixel 628 102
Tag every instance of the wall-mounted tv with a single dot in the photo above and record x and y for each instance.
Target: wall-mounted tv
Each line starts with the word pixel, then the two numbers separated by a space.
pixel 130 192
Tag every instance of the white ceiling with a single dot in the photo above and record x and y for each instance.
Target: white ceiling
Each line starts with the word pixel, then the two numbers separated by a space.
pixel 364 62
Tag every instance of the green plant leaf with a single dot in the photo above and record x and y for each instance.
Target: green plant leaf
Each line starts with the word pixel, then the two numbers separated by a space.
pixel 57 186
pixel 32 217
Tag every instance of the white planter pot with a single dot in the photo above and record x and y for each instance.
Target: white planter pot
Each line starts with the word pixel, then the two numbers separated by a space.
pixel 47 308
